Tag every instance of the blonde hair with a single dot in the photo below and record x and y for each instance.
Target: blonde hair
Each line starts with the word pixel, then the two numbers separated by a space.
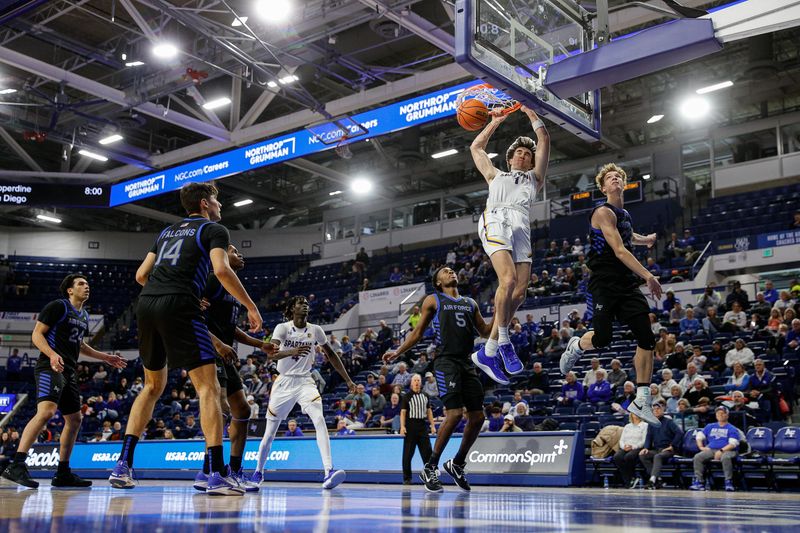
pixel 521 142
pixel 610 167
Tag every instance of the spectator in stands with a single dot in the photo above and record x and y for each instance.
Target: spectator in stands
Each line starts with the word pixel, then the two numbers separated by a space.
pixel 14 366
pixel 669 302
pixel 665 344
pixel 774 322
pixel 377 401
pixel 413 318
pixel 715 360
pixel 792 341
pixel 390 417
pixel 719 441
pixel 599 391
pixel 653 267
pixel 429 387
pixel 538 382
pixel 699 390
pixel 137 386
pixel 572 392
pixel 420 365
pixel 627 393
pixel 553 251
pixel 190 428
pixel 358 417
pixel 740 353
pixel 292 430
pixel 770 294
pixel 450 260
pixel 737 294
pixel 674 399
pixel 762 306
pixel 697 357
pixel 342 430
pixel 673 247
pixel 735 319
pixel 631 442
pixel 116 432
pixel 784 301
pixel 711 323
pixel 617 377
pixel 254 408
pixel 665 387
pixel 761 388
pixel 748 413
pixel 100 375
pixel 248 369
pixel 509 426
pixel 520 341
pixel 347 347
pixel 678 359
pixel 362 396
pixel 553 346
pixel 655 325
pixel 688 239
pixel 739 380
pixel 363 258
pixel 687 380
pixel 495 421
pixel 689 324
pixel 660 445
pixel 403 376
pixel 591 374
pixel 676 314
pixel 795 224
pixel 708 300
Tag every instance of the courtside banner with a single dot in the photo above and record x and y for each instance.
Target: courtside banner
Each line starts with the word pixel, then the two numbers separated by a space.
pixel 380 121
pixel 544 458
pixel 387 299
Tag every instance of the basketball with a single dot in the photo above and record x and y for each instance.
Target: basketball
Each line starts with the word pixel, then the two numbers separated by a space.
pixel 472 114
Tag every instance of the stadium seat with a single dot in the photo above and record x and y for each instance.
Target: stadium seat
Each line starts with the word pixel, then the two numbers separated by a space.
pixel 755 466
pixel 786 461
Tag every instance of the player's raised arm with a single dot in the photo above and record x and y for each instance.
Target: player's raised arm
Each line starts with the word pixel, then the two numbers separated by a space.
pixel 428 312
pixel 542 156
pixel 606 220
pixel 478 147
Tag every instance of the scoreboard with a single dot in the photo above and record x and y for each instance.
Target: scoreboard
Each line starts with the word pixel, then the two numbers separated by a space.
pixel 45 194
pixel 586 200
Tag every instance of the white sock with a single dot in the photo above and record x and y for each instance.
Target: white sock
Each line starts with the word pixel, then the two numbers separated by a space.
pixel 502 335
pixel 314 411
pixel 578 348
pixel 266 443
pixel 491 347
pixel 643 393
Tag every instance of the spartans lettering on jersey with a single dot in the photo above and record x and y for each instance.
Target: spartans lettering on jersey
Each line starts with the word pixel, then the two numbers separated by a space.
pixel 290 343
pixel 447 306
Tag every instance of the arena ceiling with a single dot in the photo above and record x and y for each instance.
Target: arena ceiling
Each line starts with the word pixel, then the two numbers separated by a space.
pixel 336 49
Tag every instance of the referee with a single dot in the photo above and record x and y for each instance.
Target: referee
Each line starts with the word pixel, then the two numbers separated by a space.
pixel 415 410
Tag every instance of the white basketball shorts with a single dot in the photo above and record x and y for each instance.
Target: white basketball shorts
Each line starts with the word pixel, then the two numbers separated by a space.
pixel 289 390
pixel 505 228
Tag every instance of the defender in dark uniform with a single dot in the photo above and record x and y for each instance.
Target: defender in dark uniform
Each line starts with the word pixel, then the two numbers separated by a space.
pixel 172 329
pixel 456 321
pixel 222 316
pixel 59 333
pixel 614 288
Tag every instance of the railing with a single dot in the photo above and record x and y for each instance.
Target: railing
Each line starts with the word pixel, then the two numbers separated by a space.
pixel 695 268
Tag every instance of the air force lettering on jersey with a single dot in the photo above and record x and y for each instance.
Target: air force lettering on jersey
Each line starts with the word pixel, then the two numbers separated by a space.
pixel 289 336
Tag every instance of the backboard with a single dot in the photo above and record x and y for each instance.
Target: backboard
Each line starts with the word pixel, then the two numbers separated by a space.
pixel 511 43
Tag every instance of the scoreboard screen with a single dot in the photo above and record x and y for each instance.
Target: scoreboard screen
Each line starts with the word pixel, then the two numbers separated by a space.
pixel 53 195
pixel 586 200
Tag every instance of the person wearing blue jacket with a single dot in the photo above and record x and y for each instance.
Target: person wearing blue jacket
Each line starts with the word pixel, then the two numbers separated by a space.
pixel 600 390
pixel 719 441
pixel 660 445
pixel 571 391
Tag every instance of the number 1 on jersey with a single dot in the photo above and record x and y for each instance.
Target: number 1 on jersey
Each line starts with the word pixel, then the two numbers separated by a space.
pixel 172 255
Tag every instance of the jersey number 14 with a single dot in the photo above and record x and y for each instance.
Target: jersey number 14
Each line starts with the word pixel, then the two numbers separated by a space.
pixel 172 255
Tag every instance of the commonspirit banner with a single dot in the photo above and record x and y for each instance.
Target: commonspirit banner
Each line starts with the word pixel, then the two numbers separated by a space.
pixel 388 299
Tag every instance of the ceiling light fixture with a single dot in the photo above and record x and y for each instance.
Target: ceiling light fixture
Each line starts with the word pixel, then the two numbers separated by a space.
pixel 111 139
pixel 242 203
pixel 49 219
pixel 646 177
pixel 695 108
pixel 274 11
pixel 93 155
pixel 272 84
pixel 219 102
pixel 451 151
pixel 134 64
pixel 7 91
pixel 334 193
pixel 715 87
pixel 165 50
pixel 361 186
pixel 286 80
pixel 654 119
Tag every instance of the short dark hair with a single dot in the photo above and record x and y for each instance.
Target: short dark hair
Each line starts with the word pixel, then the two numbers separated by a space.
pixel 288 311
pixel 435 277
pixel 68 282
pixel 193 193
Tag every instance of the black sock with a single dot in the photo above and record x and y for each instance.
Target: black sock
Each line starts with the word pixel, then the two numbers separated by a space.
pixel 20 457
pixel 434 460
pixel 460 458
pixel 63 467
pixel 236 463
pixel 205 464
pixel 217 459
pixel 128 447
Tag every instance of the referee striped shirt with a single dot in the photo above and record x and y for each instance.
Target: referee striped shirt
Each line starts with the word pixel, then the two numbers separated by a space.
pixel 416 403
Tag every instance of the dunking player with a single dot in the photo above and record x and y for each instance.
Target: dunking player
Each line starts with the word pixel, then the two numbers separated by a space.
pixel 222 316
pixel 172 329
pixel 296 339
pixel 456 320
pixel 614 288
pixel 58 333
pixel 505 231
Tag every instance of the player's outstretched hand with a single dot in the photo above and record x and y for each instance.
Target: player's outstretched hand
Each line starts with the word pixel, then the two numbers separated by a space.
pixel 116 361
pixel 57 364
pixel 497 115
pixel 390 356
pixel 655 287
pixel 530 112
pixel 650 240
pixel 269 348
pixel 227 353
pixel 255 320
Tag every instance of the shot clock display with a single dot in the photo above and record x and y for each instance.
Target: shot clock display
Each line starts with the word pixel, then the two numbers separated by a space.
pixel 586 200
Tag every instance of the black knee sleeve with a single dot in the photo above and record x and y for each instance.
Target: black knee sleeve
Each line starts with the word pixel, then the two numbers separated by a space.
pixel 640 327
pixel 603 330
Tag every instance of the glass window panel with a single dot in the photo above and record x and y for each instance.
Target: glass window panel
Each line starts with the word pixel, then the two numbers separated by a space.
pixel 745 147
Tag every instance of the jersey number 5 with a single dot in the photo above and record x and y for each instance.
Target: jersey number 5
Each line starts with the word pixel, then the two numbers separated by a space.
pixel 172 255
pixel 460 320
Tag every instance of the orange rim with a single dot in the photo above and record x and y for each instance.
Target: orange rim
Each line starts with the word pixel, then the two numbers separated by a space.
pixel 506 110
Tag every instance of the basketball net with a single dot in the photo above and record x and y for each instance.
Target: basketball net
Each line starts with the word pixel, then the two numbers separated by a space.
pixel 494 99
pixel 342 149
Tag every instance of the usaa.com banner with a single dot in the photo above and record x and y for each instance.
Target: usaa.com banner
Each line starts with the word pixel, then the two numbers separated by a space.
pixel 552 453
pixel 381 121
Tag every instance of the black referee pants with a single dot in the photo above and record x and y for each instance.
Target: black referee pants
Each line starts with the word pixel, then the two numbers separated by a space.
pixel 416 436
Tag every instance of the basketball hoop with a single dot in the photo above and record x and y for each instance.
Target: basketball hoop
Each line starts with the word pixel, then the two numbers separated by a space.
pixel 343 149
pixel 494 99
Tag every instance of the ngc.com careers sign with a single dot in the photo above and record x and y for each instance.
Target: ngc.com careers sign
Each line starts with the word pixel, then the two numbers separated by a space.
pixel 544 458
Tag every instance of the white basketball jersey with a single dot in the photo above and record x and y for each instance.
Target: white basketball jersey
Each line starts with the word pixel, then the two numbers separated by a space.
pixel 512 189
pixel 290 337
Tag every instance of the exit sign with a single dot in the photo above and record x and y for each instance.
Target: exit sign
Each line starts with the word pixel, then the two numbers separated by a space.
pixel 768 252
